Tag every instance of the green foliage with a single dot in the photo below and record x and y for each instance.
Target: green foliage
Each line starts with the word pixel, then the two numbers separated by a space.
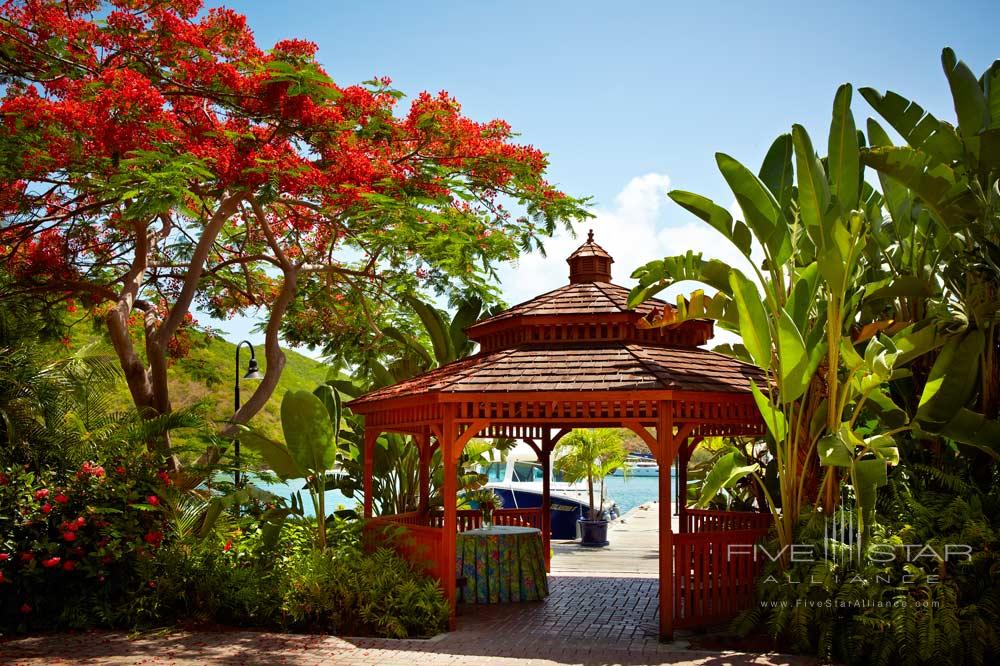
pixel 591 455
pixel 897 602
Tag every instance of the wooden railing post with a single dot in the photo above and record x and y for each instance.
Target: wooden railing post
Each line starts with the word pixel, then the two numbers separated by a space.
pixel 424 445
pixel 664 455
pixel 545 457
pixel 369 454
pixel 449 499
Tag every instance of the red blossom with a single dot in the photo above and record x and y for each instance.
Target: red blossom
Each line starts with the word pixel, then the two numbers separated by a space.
pixel 46 508
pixel 4 557
pixel 51 562
pixel 25 609
pixel 61 498
pixel 69 565
pixel 228 547
pixel 153 500
pixel 69 536
pixel 41 494
pixel 153 538
pixel 27 557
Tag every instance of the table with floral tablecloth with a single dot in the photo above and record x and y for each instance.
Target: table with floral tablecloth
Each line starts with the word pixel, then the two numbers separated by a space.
pixel 501 564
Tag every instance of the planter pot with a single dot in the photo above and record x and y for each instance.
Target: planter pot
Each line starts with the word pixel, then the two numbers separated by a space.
pixel 593 533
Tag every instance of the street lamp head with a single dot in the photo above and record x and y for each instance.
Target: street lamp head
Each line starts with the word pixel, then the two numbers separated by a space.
pixel 253 372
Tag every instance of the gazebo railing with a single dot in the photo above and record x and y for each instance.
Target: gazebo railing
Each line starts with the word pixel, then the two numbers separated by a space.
pixel 707 520
pixel 714 572
pixel 417 536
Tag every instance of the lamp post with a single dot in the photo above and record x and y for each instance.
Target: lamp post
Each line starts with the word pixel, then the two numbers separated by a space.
pixel 252 373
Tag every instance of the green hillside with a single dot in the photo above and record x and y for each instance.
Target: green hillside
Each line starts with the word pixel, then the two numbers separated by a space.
pixel 206 374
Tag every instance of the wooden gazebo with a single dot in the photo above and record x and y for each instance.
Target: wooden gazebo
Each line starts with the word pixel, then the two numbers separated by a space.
pixel 578 357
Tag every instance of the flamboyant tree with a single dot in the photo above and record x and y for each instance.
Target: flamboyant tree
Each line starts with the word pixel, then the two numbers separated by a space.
pixel 155 159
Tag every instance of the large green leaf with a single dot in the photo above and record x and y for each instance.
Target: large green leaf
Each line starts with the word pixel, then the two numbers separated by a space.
pixel 974 429
pixel 836 449
pixel 814 191
pixel 868 475
pixel 662 273
pixel 970 103
pixel 331 400
pixel 803 296
pixel 952 380
pixel 843 157
pixel 776 171
pixel 918 128
pixel 916 340
pixel 773 417
pixel 793 359
pixel 759 206
pixel 277 456
pixel 727 470
pixel 717 216
pixel 308 431
pixel 940 187
pixel 991 85
pixel 753 319
pixel 437 329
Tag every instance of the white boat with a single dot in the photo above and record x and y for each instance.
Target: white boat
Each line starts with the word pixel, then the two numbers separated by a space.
pixel 518 482
pixel 638 466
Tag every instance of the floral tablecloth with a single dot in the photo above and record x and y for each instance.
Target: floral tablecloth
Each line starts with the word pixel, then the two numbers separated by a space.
pixel 502 564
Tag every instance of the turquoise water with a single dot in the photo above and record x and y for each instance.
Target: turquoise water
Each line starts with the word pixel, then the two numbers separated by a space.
pixel 636 490
pixel 629 493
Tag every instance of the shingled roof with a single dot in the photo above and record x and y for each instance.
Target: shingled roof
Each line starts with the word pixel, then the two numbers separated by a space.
pixel 581 337
pixel 588 367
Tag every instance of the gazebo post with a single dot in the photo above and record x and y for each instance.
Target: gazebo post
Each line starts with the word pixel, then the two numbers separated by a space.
pixel 545 457
pixel 684 456
pixel 449 498
pixel 424 446
pixel 369 453
pixel 664 455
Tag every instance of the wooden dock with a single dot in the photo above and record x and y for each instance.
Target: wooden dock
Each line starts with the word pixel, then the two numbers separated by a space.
pixel 633 550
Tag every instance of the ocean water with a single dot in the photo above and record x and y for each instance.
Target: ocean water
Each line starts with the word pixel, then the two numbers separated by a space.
pixel 635 490
pixel 628 493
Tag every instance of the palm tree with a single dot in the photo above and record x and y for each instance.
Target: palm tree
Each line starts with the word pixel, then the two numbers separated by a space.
pixel 591 454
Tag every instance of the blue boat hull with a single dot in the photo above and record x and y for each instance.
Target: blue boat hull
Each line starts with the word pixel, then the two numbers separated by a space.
pixel 563 515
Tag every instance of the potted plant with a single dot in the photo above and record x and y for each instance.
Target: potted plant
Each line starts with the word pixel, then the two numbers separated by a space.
pixel 590 455
pixel 487 502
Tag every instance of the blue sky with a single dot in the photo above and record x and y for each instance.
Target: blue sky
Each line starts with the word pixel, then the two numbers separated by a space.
pixel 632 99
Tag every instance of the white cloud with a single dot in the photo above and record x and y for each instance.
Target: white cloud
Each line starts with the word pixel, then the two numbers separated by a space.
pixel 641 226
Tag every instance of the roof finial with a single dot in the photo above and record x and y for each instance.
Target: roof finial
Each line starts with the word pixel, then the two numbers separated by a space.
pixel 590 235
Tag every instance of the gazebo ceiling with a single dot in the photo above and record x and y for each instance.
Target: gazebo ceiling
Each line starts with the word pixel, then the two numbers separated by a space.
pixel 583 340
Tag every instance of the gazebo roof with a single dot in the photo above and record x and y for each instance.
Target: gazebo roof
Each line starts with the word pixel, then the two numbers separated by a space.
pixel 592 367
pixel 581 338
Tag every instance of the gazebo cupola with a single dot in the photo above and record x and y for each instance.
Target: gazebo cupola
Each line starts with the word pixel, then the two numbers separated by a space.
pixel 590 309
pixel 590 262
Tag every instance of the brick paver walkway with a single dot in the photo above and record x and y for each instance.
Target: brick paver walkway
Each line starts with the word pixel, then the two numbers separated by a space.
pixel 585 620
pixel 602 609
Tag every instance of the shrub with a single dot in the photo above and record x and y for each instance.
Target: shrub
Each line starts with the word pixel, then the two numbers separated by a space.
pixel 71 545
pixel 375 594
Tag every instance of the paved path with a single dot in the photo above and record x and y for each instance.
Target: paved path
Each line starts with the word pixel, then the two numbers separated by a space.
pixel 633 548
pixel 602 609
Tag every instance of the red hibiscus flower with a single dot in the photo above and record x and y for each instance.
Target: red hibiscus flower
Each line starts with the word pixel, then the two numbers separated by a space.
pixel 61 499
pixel 69 536
pixel 153 500
pixel 69 565
pixel 51 562
pixel 41 494
pixel 4 557
pixel 46 508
